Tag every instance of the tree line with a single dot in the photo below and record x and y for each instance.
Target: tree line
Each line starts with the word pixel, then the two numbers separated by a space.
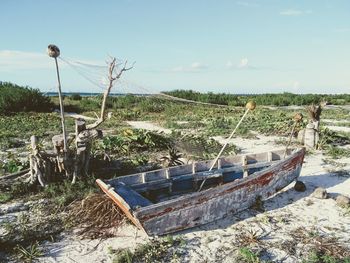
pixel 269 99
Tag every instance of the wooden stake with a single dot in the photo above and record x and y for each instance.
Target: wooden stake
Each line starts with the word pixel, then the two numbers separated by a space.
pixel 61 108
pixel 53 51
pixel 228 140
pixel 297 118
pixel 250 106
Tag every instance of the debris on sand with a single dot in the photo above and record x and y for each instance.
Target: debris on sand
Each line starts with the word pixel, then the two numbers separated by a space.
pixel 320 193
pixel 299 186
pixel 97 216
pixel 343 201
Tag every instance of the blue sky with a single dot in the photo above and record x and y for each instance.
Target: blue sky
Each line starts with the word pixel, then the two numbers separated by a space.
pixel 219 46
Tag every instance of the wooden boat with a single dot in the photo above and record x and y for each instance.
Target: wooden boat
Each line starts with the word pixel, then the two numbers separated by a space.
pixel 168 200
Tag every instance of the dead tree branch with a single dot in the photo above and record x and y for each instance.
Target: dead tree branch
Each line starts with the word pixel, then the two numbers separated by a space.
pixel 113 75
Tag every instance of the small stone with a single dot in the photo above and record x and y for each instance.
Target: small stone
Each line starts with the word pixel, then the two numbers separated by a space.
pixel 320 193
pixel 343 200
pixel 299 186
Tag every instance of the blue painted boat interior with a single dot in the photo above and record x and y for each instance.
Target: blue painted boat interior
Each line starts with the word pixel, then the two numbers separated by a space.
pixel 138 195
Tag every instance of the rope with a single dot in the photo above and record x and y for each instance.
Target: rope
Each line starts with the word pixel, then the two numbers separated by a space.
pixel 223 148
pixel 79 71
pixel 78 67
pixel 156 93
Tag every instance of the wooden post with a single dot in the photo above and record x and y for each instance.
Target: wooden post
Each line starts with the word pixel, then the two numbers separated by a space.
pixel 250 106
pixel 297 118
pixel 54 52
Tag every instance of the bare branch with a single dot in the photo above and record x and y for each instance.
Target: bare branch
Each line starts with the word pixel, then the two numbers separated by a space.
pixel 113 75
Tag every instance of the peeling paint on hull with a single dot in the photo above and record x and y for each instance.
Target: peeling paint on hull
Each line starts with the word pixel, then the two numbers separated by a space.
pixel 200 208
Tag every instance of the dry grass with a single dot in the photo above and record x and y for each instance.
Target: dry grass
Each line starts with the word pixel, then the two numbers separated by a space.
pixel 249 237
pixel 314 112
pixel 322 244
pixel 97 216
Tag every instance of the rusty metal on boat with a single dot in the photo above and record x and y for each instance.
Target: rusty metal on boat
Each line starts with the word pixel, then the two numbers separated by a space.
pixel 167 200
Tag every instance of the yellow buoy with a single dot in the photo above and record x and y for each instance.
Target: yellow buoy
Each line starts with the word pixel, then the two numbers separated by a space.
pixel 298 117
pixel 251 105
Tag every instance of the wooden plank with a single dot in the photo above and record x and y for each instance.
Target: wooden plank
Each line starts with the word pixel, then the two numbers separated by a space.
pixel 152 185
pixel 204 166
pixel 230 160
pixel 209 205
pixel 119 201
pixel 244 164
pixel 286 165
pixel 131 197
pixel 269 156
pixel 180 170
pixel 202 207
pixel 156 175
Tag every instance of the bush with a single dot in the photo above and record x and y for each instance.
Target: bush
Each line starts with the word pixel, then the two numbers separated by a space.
pixel 14 98
pixel 75 96
pixel 275 99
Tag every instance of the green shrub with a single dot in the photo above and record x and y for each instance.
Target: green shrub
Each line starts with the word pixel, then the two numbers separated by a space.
pixel 276 99
pixel 65 193
pixel 133 141
pixel 75 96
pixel 14 98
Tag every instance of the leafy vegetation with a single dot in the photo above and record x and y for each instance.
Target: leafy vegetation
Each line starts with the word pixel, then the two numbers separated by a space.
pixel 30 253
pixel 64 193
pixel 21 126
pixel 199 147
pixel 14 98
pixel 11 165
pixel 75 96
pixel 157 250
pixel 337 152
pixel 277 99
pixel 248 256
pixel 317 257
pixel 130 141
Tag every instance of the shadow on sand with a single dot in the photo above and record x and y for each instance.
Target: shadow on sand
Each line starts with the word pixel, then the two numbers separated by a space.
pixel 277 201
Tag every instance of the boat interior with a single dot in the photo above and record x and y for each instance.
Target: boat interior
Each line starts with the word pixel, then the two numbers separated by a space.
pixel 144 189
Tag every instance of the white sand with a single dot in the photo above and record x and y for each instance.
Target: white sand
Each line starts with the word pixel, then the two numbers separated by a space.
pixel 338 128
pixel 72 249
pixel 335 121
pixel 216 242
pixel 79 116
pixel 147 126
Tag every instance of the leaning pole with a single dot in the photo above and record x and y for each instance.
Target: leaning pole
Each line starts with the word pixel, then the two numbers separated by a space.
pixel 54 52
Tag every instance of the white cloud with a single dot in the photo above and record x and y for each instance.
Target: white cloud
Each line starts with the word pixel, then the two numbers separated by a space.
pixel 243 63
pixel 194 67
pixel 178 69
pixel 229 64
pixel 247 4
pixel 17 60
pixel 198 66
pixel 14 60
pixel 295 12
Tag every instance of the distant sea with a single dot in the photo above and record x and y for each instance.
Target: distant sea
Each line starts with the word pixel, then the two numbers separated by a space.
pixel 90 94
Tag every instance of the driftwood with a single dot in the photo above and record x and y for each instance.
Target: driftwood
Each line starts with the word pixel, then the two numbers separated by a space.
pixel 67 160
pixel 311 134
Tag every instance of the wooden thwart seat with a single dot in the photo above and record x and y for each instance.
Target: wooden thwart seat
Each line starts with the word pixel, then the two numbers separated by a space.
pixel 207 175
pixel 133 198
pixel 152 185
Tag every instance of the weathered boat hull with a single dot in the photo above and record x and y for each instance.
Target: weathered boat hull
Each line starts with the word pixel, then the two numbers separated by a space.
pixel 203 207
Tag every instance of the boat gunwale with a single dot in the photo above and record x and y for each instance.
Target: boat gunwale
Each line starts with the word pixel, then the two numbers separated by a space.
pixel 211 191
pixel 278 151
pixel 122 204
